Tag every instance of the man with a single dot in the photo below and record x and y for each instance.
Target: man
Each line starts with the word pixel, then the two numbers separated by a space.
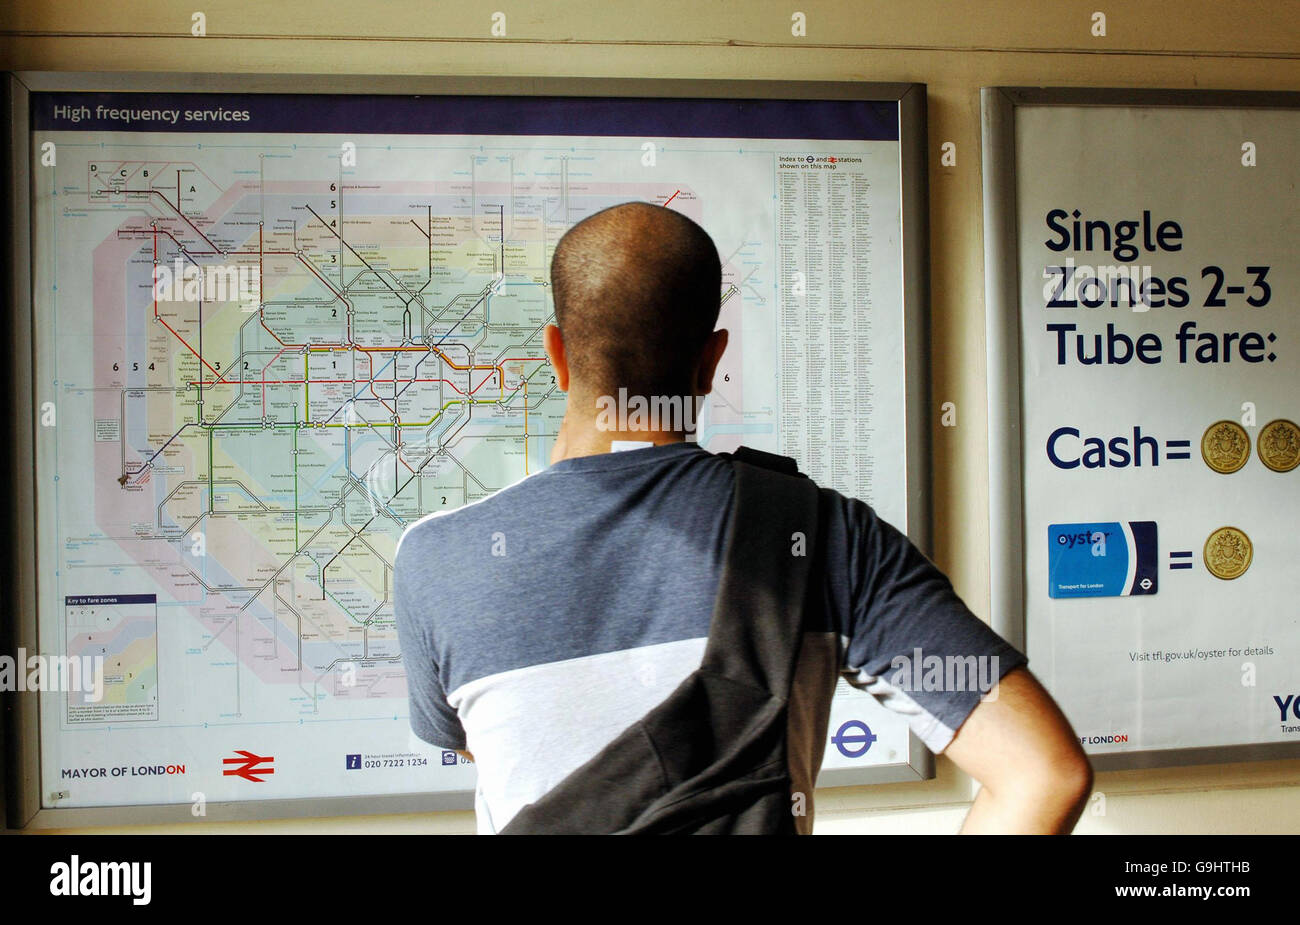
pixel 539 622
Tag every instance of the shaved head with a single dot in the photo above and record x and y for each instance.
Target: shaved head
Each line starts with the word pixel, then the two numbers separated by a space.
pixel 637 289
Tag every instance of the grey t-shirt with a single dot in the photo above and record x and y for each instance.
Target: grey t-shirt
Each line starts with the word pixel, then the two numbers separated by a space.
pixel 539 622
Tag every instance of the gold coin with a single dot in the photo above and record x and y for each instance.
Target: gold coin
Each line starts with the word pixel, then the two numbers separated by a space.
pixel 1279 445
pixel 1228 553
pixel 1225 447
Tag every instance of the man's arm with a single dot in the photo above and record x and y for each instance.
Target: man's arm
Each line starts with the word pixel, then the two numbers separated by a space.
pixel 1035 777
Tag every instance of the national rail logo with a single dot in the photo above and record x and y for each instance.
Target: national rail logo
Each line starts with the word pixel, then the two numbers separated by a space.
pixel 248 766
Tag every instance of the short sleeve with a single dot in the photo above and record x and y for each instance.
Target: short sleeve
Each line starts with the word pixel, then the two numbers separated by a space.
pixel 912 643
pixel 432 718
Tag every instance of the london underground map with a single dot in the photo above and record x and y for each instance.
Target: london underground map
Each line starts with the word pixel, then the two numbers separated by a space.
pixel 275 331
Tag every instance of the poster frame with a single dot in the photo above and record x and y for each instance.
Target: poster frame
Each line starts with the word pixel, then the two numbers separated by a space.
pixel 1008 581
pixel 21 715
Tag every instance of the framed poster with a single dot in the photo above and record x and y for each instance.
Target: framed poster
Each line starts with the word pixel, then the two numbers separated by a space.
pixel 274 320
pixel 1144 394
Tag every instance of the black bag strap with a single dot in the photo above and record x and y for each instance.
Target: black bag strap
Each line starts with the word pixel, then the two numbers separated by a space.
pixel 757 625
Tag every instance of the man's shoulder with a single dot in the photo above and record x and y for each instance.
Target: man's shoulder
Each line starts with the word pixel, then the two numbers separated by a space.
pixel 837 508
pixel 433 524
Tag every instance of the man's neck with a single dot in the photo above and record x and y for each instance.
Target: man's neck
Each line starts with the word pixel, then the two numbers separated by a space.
pixel 581 437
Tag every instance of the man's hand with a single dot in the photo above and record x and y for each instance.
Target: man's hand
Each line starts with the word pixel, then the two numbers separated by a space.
pixel 1034 775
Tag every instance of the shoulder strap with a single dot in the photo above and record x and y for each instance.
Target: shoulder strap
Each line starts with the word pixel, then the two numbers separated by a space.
pixel 766 460
pixel 757 624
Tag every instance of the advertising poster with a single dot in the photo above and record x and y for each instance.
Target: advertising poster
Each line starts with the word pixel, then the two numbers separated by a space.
pixel 1159 324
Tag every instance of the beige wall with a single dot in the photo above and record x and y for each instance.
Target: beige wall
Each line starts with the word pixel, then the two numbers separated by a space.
pixel 954 48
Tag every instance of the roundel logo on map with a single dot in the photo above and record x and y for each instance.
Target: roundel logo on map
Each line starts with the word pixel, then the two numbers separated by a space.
pixel 854 738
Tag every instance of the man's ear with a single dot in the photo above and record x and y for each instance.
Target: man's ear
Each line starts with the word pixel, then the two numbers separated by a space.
pixel 553 344
pixel 709 358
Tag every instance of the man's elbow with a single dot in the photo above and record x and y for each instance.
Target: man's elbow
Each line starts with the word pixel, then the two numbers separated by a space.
pixel 1063 775
pixel 1076 774
pixel 1021 748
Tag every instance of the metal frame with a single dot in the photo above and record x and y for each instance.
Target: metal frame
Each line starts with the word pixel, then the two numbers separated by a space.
pixel 1005 402
pixel 22 754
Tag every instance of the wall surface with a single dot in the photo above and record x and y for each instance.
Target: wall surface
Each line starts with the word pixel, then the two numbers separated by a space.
pixel 954 48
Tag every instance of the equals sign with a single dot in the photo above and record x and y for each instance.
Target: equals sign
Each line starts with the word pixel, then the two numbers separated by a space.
pixel 1180 559
pixel 1178 449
